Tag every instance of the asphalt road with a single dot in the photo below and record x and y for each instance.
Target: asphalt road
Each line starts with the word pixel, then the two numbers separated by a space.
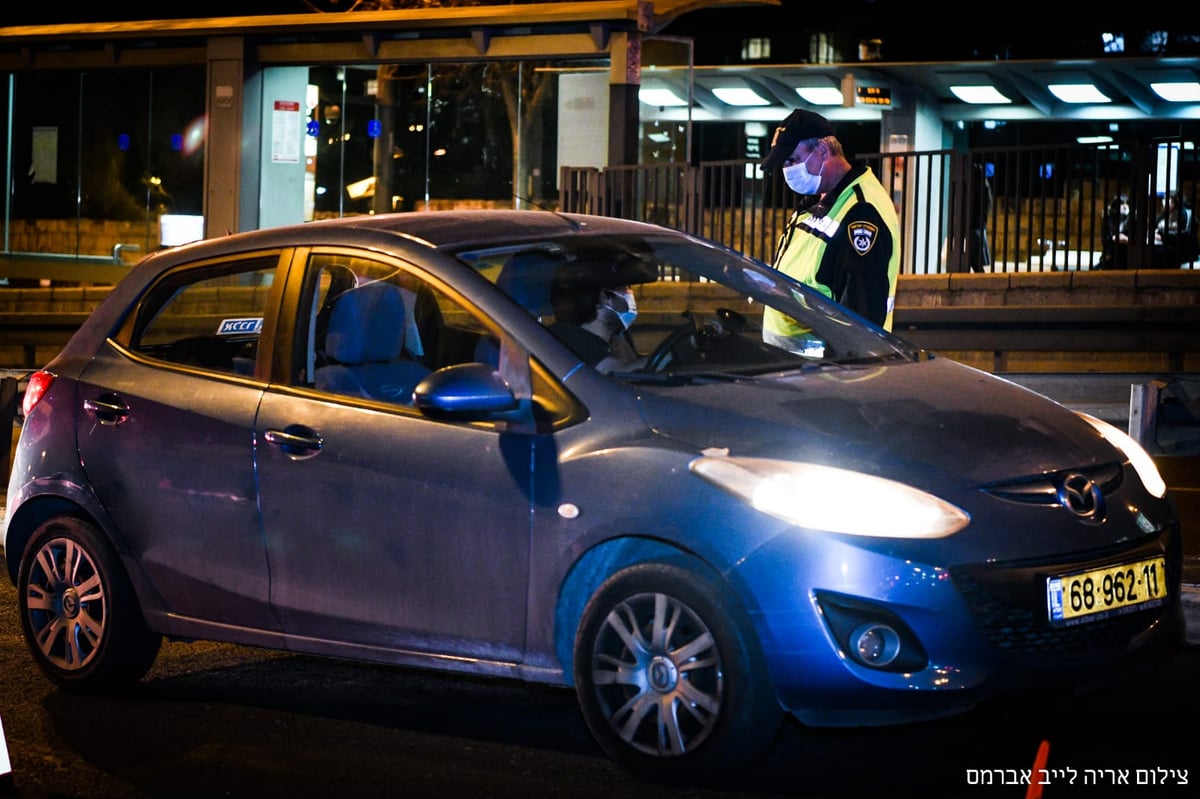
pixel 225 721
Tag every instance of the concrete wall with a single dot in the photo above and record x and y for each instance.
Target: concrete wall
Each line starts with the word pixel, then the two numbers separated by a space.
pixel 1068 321
pixel 1154 287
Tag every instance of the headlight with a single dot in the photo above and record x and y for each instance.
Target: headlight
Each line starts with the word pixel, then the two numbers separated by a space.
pixel 828 498
pixel 1139 459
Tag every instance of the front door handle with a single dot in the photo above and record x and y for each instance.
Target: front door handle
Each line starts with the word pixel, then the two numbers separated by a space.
pixel 296 440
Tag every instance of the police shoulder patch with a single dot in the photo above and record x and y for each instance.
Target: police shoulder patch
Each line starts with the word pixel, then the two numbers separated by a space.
pixel 863 236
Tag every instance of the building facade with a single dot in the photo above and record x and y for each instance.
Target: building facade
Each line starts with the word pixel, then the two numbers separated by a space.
pixel 121 138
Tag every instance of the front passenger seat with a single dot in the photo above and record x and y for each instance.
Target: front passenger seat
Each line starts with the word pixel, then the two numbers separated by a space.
pixel 526 278
pixel 365 345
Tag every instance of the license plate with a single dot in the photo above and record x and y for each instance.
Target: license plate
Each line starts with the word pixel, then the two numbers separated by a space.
pixel 1095 594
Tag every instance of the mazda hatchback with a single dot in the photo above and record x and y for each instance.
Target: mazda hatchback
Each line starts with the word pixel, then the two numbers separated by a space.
pixel 390 438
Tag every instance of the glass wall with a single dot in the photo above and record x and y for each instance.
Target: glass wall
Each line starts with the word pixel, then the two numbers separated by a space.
pixel 106 165
pixel 95 159
pixel 403 137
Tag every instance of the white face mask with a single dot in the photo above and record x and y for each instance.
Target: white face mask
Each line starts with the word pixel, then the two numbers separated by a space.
pixel 630 312
pixel 800 180
pixel 622 304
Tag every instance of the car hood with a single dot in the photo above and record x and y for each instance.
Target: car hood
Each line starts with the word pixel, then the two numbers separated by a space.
pixel 934 423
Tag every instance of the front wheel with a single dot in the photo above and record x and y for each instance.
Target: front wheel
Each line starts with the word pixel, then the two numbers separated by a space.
pixel 670 678
pixel 78 610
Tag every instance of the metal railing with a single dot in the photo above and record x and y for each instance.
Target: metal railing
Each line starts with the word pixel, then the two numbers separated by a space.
pixel 1043 208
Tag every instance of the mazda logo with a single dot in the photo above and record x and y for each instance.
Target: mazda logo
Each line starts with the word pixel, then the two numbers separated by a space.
pixel 1078 494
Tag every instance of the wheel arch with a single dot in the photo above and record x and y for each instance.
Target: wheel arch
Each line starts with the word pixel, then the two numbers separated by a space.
pixel 598 564
pixel 27 517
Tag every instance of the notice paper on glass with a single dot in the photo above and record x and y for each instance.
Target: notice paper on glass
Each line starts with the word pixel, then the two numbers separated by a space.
pixel 43 168
pixel 285 132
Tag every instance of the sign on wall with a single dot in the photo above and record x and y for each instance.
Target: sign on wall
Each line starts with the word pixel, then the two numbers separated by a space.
pixel 285 132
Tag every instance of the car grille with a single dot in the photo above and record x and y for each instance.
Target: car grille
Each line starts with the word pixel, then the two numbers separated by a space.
pixel 1045 489
pixel 1008 604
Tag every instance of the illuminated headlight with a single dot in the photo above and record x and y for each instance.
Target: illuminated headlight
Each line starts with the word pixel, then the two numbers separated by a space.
pixel 1139 459
pixel 828 498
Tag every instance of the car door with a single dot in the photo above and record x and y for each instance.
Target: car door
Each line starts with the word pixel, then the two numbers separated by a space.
pixel 166 436
pixel 386 529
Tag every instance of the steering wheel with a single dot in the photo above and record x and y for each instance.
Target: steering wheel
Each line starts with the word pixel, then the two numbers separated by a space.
pixel 699 337
pixel 664 353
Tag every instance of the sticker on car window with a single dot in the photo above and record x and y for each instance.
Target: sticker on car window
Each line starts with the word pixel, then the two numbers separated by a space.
pixel 234 327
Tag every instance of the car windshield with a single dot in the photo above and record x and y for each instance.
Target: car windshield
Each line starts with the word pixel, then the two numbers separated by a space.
pixel 681 308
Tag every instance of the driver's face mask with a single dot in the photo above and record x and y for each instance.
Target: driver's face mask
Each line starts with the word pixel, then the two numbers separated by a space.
pixel 620 304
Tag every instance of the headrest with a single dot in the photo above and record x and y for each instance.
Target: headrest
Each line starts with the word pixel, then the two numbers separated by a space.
pixel 526 277
pixel 367 325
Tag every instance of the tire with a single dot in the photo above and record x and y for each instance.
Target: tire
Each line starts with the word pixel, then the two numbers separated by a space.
pixel 670 677
pixel 78 609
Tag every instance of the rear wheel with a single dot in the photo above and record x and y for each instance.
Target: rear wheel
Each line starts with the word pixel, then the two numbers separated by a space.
pixel 670 678
pixel 78 610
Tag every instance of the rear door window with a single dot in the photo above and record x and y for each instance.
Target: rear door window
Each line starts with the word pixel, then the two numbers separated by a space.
pixel 209 318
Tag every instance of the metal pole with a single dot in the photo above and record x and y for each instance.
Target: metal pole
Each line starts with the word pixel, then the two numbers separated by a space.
pixel 1143 412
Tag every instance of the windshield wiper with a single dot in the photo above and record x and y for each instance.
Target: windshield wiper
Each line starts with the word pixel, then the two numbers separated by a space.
pixel 680 378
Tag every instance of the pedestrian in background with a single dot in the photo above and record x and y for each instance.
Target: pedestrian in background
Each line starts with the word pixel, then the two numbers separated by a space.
pixel 1175 233
pixel 979 251
pixel 1117 227
pixel 845 241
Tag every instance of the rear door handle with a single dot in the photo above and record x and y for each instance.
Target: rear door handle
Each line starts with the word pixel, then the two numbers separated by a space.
pixel 109 409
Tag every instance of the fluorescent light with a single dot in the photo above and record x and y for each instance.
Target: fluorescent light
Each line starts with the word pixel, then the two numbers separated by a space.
pixel 979 95
pixel 1078 93
pixel 1093 139
pixel 1178 91
pixel 739 95
pixel 820 95
pixel 660 97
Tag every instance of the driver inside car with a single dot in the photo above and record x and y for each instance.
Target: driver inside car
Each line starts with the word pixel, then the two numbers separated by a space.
pixel 594 322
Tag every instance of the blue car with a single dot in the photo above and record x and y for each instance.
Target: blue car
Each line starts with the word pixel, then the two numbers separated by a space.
pixel 556 448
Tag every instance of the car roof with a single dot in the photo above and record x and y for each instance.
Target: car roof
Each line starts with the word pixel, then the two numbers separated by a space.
pixel 458 228
pixel 451 230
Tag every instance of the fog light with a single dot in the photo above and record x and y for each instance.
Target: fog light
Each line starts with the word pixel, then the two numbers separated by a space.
pixel 875 644
pixel 871 634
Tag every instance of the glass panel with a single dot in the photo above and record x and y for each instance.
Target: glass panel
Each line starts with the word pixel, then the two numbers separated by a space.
pixel 379 143
pixel 402 148
pixel 6 164
pixel 536 153
pixel 471 142
pixel 45 186
pixel 112 207
pixel 342 159
pixel 174 170
pixel 98 157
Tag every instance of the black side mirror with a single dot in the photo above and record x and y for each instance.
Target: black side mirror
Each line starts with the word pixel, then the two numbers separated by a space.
pixel 464 390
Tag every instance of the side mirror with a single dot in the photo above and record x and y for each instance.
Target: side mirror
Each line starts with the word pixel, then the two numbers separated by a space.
pixel 464 390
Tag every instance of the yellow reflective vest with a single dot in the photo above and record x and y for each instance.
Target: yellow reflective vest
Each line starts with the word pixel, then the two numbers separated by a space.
pixel 849 251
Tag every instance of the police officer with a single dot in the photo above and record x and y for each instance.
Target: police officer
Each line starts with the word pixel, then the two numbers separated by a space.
pixel 846 242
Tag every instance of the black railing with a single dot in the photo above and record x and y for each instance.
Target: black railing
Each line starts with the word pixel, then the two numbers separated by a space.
pixel 1042 208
